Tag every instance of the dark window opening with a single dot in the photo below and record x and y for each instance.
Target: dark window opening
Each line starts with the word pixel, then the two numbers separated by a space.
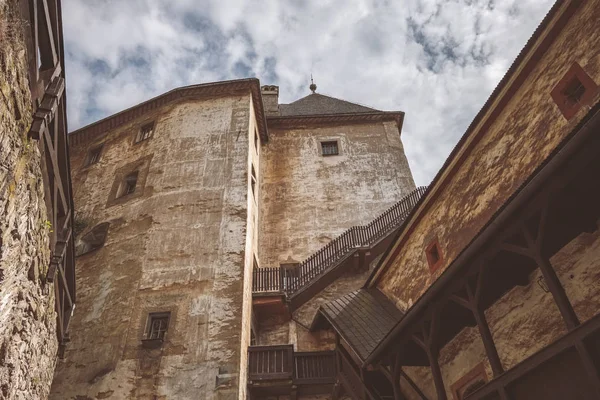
pixel 472 388
pixel 158 324
pixel 93 156
pixel 434 255
pixel 128 185
pixel 92 240
pixel 256 140
pixel 573 92
pixel 145 132
pixel 253 181
pixel 329 148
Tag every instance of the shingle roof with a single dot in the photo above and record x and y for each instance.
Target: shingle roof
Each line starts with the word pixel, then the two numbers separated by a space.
pixel 363 318
pixel 318 104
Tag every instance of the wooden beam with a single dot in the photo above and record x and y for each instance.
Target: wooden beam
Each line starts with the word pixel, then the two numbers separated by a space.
pixel 432 351
pixel 484 329
pixel 48 49
pixel 588 364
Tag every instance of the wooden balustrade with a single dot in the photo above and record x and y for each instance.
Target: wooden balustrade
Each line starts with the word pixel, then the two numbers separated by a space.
pixel 270 362
pixel 315 367
pixel 282 363
pixel 289 281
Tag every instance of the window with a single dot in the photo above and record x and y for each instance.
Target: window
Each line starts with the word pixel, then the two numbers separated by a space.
pixel 92 240
pixel 128 185
pixel 253 181
pixel 575 90
pixel 157 326
pixel 93 155
pixel 469 383
pixel 256 140
pixel 129 181
pixel 329 148
pixel 434 256
pixel 145 132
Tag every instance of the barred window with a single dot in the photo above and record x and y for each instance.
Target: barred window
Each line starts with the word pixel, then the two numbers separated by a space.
pixel 145 132
pixel 157 326
pixel 329 148
pixel 573 92
pixel 93 156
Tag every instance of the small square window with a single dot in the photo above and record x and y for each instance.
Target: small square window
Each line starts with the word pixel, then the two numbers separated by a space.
pixel 145 132
pixel 329 148
pixel 93 156
pixel 253 181
pixel 128 185
pixel 434 256
pixel 157 326
pixel 573 92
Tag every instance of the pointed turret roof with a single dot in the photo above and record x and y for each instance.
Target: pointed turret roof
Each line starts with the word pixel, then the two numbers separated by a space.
pixel 319 104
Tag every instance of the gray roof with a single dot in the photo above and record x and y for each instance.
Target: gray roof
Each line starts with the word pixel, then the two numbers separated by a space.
pixel 363 318
pixel 318 104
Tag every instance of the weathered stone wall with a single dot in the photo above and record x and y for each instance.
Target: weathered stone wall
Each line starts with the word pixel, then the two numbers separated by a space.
pixel 515 144
pixel 28 342
pixel 309 199
pixel 524 320
pixel 180 244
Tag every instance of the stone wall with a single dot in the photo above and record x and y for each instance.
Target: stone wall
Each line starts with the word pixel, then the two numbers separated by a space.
pixel 525 133
pixel 28 341
pixel 309 199
pixel 524 320
pixel 181 243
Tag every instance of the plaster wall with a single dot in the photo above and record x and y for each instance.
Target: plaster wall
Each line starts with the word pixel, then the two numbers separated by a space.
pixel 181 243
pixel 309 199
pixel 28 342
pixel 517 142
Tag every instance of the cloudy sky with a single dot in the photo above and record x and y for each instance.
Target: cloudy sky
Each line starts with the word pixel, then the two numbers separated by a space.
pixel 436 60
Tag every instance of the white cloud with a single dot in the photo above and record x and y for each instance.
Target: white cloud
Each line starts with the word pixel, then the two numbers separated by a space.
pixel 436 60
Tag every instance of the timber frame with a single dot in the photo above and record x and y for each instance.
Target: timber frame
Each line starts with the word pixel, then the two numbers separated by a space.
pixel 45 51
pixel 559 202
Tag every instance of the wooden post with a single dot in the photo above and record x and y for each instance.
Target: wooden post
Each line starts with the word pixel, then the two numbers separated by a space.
pixel 432 351
pixel 396 378
pixel 554 285
pixel 482 325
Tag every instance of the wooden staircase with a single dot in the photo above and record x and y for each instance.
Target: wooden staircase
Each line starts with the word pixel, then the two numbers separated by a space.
pixel 357 246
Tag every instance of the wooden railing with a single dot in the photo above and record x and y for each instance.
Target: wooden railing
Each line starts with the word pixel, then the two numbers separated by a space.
pixel 315 367
pixel 270 362
pixel 290 280
pixel 282 363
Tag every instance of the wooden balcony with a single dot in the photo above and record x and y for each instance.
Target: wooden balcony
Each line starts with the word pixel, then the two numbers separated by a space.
pixel 281 370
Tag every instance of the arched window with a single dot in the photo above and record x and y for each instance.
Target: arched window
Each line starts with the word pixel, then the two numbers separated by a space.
pixel 92 240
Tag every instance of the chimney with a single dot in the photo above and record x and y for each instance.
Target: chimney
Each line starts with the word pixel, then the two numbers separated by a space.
pixel 270 96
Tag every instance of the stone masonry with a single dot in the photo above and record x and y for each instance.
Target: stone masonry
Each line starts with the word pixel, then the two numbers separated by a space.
pixel 28 342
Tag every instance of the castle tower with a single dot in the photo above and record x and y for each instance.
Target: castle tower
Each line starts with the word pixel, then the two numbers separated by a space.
pixel 179 198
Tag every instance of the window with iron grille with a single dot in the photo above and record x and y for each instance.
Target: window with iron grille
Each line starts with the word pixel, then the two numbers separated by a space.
pixel 145 132
pixel 93 156
pixel 158 324
pixel 128 185
pixel 573 92
pixel 329 148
